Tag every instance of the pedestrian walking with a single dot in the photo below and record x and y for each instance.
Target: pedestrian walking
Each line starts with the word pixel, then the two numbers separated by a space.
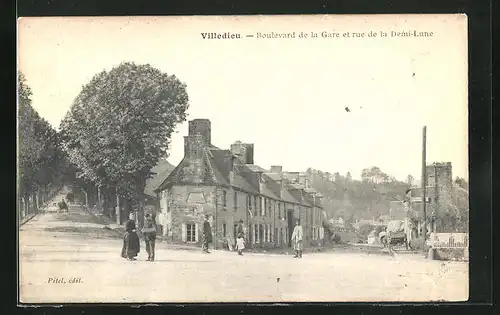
pixel 149 232
pixel 240 244
pixel 207 235
pixel 131 245
pixel 297 239
pixel 63 206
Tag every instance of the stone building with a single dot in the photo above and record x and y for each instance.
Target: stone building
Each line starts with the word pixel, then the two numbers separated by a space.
pixel 439 193
pixel 228 187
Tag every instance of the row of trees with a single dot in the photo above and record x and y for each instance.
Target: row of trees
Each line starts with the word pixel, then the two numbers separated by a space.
pixel 40 159
pixel 118 128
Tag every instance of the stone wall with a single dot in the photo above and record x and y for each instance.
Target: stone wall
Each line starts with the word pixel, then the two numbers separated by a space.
pixel 190 204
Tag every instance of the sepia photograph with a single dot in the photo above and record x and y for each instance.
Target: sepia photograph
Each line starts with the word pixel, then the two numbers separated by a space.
pixel 265 158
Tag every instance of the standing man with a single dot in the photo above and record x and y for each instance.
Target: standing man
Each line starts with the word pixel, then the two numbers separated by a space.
pixel 149 231
pixel 207 235
pixel 297 236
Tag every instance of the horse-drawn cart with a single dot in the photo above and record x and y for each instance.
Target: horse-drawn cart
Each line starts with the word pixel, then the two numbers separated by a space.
pixel 396 234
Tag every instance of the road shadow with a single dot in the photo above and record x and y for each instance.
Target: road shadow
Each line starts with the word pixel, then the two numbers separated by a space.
pixel 183 261
pixel 76 218
pixel 109 261
pixel 88 232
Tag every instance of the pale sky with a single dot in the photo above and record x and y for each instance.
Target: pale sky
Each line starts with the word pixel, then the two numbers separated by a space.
pixel 287 96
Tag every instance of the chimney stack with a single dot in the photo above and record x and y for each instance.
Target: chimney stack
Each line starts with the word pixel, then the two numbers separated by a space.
pixel 201 127
pixel 278 169
pixel 244 152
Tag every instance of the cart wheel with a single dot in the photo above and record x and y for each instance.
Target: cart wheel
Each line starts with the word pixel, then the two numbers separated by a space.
pixel 383 240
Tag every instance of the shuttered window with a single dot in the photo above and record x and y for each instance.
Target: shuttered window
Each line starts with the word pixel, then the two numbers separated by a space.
pixel 191 233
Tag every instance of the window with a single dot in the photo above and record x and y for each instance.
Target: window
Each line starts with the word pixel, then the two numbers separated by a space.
pixel 264 208
pixel 261 233
pixel 256 233
pixel 224 229
pixel 224 198
pixel 191 233
pixel 235 201
pixel 256 206
pixel 269 207
pixel 270 231
pixel 249 198
pixel 279 210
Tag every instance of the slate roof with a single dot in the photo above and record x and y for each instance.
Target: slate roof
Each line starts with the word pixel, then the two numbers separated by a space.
pixel 217 165
pixel 161 172
pixel 256 168
pixel 287 197
pixel 267 192
pixel 273 176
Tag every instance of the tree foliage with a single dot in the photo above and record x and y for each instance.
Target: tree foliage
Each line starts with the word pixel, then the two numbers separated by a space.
pixel 353 199
pixel 374 175
pixel 120 125
pixel 38 149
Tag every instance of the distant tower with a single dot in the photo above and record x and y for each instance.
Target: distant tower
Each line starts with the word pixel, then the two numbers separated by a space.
pixel 439 186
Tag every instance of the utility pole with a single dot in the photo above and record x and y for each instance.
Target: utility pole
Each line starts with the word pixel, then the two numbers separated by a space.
pixel 424 182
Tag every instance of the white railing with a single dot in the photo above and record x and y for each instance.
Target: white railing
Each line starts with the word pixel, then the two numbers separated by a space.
pixel 449 240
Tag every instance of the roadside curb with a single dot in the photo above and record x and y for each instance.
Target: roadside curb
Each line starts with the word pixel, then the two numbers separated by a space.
pixel 26 219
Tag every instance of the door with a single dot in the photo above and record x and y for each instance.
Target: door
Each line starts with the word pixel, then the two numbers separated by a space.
pixel 290 226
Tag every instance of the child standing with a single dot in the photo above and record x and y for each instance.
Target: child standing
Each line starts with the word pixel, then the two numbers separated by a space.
pixel 131 245
pixel 240 244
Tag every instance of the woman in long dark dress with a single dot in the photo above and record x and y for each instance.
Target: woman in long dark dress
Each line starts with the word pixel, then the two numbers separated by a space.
pixel 131 244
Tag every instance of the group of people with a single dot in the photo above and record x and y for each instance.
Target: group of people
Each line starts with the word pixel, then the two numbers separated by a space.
pixel 131 242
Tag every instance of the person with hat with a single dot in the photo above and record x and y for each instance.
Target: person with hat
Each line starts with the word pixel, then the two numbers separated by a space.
pixel 297 236
pixel 149 232
pixel 207 235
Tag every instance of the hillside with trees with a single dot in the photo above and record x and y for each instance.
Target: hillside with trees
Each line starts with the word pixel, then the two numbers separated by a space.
pixel 368 198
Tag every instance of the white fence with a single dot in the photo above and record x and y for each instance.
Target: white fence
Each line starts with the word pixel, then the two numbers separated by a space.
pixel 449 240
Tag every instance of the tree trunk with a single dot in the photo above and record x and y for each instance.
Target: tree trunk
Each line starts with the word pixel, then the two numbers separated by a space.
pixel 117 208
pixel 140 212
pixel 99 196
pixel 26 205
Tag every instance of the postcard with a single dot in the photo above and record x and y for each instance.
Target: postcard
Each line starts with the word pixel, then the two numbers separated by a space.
pixel 200 159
